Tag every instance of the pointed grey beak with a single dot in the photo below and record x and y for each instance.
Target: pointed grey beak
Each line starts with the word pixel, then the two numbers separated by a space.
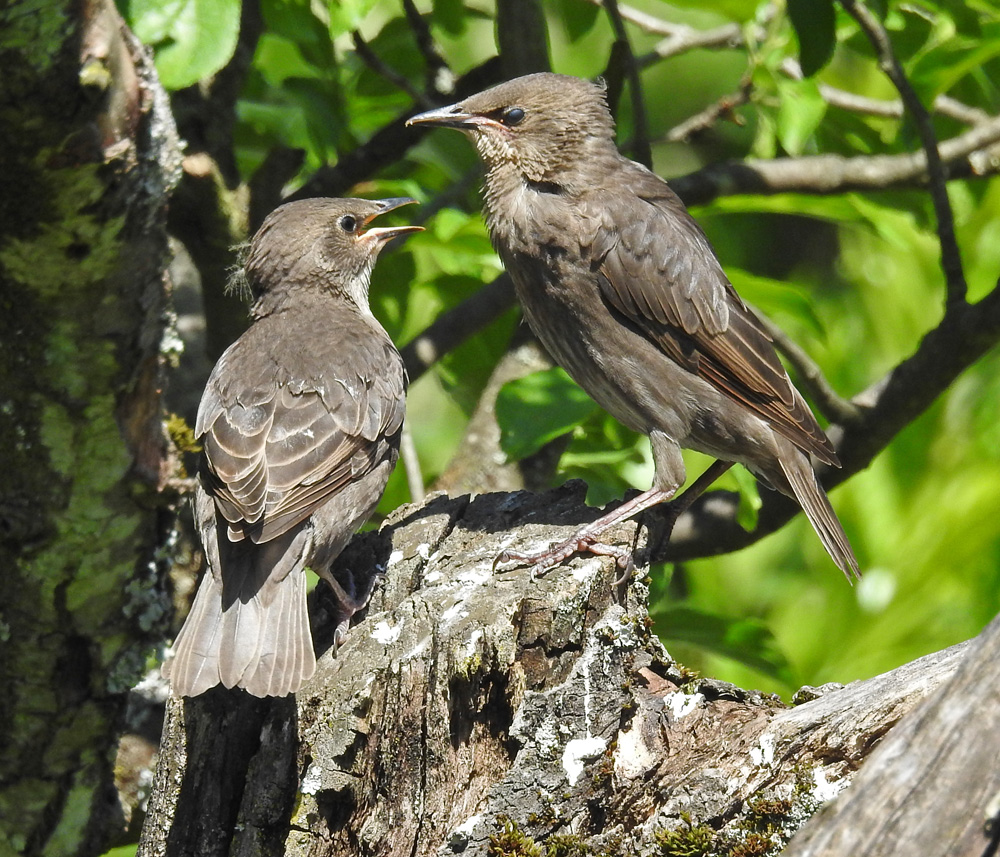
pixel 384 234
pixel 446 117
pixel 385 205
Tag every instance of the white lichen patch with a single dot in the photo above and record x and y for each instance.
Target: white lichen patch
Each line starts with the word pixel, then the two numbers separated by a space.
pixel 312 782
pixel 763 754
pixel 681 704
pixel 394 557
pixel 586 570
pixel 385 633
pixel 577 752
pixel 823 790
pixel 424 551
pixel 432 576
pixel 472 645
pixel 633 757
pixel 456 611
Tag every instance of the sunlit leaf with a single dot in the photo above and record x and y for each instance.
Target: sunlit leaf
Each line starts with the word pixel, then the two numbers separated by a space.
pixel 748 641
pixel 193 39
pixel 538 408
pixel 801 111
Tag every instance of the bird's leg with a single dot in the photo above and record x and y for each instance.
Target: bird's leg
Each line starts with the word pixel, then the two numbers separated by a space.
pixel 585 539
pixel 350 603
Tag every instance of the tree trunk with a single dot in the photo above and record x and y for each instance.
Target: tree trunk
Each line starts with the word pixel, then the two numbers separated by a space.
pixel 473 709
pixel 88 153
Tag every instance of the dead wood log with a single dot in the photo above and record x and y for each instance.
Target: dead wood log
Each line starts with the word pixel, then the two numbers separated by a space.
pixel 473 709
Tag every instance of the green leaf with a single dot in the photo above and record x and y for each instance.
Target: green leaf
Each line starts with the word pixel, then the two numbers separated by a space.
pixel 747 641
pixel 799 115
pixel 192 39
pixel 815 25
pixel 538 408
pixel 347 15
pixel 577 19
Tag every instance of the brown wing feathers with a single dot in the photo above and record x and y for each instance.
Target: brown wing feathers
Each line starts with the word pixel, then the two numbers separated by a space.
pixel 695 316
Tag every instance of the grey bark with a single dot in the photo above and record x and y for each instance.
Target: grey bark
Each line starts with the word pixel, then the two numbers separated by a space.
pixel 471 706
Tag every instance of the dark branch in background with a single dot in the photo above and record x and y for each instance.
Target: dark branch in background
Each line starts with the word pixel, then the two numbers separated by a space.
pixel 400 81
pixel 640 135
pixel 453 327
pixel 834 407
pixel 387 145
pixel 951 259
pixel 280 166
pixel 440 80
pixel 523 37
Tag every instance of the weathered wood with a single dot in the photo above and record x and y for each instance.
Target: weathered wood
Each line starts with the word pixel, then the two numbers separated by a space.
pixel 470 704
pixel 933 786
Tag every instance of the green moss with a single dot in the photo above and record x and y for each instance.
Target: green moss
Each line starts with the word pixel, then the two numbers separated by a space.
pixel 510 841
pixel 687 841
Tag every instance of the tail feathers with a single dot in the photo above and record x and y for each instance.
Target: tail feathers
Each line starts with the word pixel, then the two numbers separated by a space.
pixel 265 649
pixel 814 502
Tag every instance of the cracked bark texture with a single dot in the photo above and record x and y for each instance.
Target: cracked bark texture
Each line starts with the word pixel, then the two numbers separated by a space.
pixel 470 704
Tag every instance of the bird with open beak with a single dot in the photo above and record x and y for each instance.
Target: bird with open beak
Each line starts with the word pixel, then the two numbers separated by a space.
pixel 300 425
pixel 625 292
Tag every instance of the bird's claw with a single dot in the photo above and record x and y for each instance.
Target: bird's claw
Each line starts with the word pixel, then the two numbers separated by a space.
pixel 544 560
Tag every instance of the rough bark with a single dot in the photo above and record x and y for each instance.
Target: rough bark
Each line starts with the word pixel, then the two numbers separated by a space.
pixel 87 154
pixel 473 709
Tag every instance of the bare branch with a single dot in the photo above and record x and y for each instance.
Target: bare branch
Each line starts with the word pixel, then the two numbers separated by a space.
pixel 830 403
pixel 704 120
pixel 826 174
pixel 453 327
pixel 411 465
pixel 951 259
pixel 400 81
pixel 686 38
pixel 440 79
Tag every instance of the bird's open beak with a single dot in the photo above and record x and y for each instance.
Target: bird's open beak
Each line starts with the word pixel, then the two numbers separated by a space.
pixel 448 117
pixel 383 234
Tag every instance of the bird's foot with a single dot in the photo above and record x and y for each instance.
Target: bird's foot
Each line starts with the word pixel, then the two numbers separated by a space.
pixel 542 561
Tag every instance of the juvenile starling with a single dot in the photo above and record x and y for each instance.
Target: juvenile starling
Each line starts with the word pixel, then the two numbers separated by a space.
pixel 623 289
pixel 300 424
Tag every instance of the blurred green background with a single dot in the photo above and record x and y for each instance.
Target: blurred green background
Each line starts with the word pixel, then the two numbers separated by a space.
pixel 853 278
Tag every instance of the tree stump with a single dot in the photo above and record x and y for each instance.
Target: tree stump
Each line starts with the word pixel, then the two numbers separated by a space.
pixel 474 711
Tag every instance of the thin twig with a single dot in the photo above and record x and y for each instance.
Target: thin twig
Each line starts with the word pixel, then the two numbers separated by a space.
pixel 411 465
pixel 830 403
pixel 951 259
pixel 440 79
pixel 640 138
pixel 710 115
pixel 686 38
pixel 400 81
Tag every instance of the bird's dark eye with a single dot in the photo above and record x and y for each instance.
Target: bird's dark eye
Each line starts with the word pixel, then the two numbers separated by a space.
pixel 348 223
pixel 511 116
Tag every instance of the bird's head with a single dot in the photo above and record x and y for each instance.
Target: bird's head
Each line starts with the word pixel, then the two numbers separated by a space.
pixel 320 243
pixel 547 126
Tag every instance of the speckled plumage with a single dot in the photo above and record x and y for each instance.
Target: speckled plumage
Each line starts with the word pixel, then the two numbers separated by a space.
pixel 300 423
pixel 623 289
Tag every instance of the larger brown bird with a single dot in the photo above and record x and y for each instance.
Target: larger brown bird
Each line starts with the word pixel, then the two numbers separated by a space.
pixel 300 423
pixel 625 292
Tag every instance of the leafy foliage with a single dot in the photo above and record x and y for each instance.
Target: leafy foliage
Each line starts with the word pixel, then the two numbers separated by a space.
pixel 854 279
